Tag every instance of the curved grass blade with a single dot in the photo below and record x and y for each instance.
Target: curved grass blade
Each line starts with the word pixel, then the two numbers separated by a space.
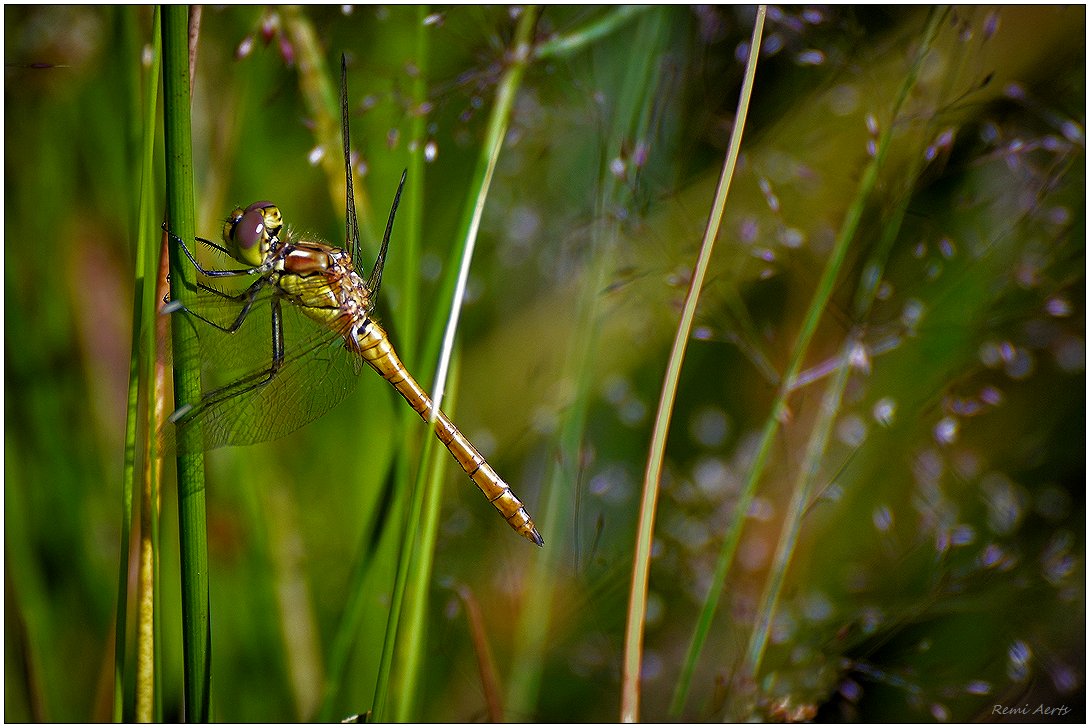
pixel 817 306
pixel 637 605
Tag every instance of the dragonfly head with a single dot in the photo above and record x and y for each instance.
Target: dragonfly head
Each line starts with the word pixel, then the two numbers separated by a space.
pixel 249 233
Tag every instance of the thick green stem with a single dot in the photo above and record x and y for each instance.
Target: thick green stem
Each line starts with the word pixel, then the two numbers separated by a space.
pixel 196 632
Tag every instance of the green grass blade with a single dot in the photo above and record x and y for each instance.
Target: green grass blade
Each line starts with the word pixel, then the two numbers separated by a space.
pixel 452 290
pixel 814 312
pixel 408 234
pixel 431 461
pixel 412 638
pixel 562 46
pixel 637 605
pixel 148 695
pixel 193 531
pixel 805 485
pixel 142 315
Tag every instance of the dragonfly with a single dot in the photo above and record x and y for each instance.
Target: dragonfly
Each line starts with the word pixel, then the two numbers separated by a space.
pixel 305 304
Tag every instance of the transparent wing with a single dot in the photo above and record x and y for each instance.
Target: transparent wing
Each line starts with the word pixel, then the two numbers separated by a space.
pixel 243 401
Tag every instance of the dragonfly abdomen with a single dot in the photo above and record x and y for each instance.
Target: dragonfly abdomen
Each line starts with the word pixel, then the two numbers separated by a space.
pixel 372 343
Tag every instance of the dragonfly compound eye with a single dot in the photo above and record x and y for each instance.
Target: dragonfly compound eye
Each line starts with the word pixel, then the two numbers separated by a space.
pixel 249 232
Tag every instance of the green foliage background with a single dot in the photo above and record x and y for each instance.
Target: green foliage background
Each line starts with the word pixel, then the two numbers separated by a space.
pixel 939 570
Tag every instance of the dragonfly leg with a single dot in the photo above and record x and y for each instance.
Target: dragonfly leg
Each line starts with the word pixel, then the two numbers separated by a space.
pixel 187 413
pixel 211 273
pixel 246 298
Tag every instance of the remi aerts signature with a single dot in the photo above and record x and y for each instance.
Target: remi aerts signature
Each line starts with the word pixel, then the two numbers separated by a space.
pixel 1027 709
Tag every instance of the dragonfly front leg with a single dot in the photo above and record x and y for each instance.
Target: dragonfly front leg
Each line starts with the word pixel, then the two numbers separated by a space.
pixel 246 298
pixel 211 273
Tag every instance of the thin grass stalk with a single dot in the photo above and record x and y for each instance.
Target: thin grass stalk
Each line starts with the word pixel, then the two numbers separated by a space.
pixel 817 306
pixel 144 192
pixel 796 509
pixel 413 636
pixel 635 98
pixel 401 581
pixel 429 459
pixel 154 478
pixel 148 697
pixel 478 630
pixel 805 485
pixel 453 290
pixel 637 604
pixel 564 46
pixel 193 531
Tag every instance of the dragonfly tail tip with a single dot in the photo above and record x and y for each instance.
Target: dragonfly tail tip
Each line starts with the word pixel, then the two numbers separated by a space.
pixel 536 538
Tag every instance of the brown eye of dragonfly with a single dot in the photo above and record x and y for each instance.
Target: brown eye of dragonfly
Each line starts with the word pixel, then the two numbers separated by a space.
pixel 250 228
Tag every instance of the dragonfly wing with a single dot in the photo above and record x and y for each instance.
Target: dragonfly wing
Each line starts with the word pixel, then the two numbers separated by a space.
pixel 245 399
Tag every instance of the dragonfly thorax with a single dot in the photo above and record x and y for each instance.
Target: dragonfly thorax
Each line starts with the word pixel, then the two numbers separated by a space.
pixel 251 233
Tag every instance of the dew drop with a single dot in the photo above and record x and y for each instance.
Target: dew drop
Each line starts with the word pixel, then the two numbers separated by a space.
pixel 882 518
pixel 617 168
pixel 991 556
pixel 810 57
pixel 850 690
pixel 978 687
pixel 1058 306
pixel 1073 132
pixel 1018 658
pixel 1021 365
pixel 773 44
pixel 912 313
pixel 792 237
pixel 962 535
pixel 884 411
pixel 946 431
pixel 747 230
